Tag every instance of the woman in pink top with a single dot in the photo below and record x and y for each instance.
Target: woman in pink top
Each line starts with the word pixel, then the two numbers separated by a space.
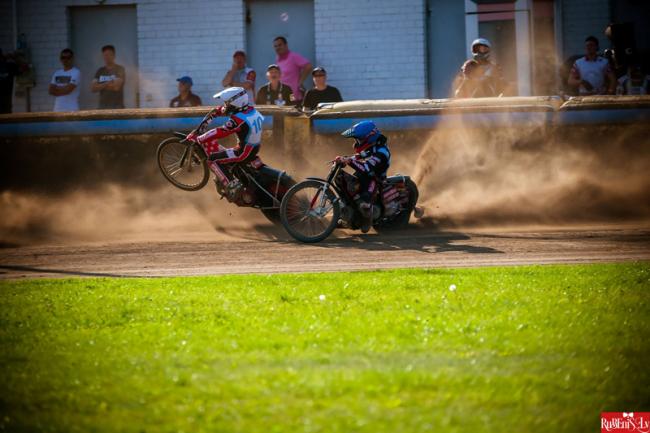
pixel 295 68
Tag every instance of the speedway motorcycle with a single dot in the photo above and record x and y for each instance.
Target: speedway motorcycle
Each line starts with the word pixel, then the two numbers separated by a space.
pixel 313 208
pixel 185 165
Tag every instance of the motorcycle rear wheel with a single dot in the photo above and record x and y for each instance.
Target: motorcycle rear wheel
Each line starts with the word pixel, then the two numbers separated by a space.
pixel 402 219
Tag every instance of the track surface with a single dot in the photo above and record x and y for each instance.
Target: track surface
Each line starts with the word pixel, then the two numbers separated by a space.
pixel 267 250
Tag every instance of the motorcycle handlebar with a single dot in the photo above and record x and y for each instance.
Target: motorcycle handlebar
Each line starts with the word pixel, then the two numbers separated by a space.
pixel 335 162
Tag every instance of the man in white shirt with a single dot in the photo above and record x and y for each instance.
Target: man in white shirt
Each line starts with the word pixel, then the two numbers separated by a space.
pixel 592 74
pixel 65 84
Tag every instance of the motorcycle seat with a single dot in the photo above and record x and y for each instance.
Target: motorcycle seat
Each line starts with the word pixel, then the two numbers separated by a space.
pixel 257 163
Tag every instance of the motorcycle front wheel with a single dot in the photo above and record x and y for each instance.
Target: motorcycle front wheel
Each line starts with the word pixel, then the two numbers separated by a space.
pixel 183 164
pixel 309 211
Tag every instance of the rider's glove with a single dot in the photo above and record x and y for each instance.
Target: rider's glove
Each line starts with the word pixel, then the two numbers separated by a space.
pixel 192 137
pixel 342 159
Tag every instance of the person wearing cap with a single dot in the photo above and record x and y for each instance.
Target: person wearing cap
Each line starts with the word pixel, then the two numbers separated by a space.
pixel 479 76
pixel 240 75
pixel 321 91
pixel 274 92
pixel 185 96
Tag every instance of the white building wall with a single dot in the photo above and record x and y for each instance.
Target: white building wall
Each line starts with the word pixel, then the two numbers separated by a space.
pixel 582 18
pixel 372 49
pixel 175 38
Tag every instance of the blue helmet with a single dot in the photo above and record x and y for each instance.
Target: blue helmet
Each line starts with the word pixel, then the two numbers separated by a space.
pixel 365 134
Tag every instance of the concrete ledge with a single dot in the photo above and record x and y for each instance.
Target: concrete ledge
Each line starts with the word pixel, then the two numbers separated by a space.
pixel 391 115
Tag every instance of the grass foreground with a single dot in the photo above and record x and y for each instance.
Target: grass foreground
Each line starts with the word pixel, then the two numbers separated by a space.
pixel 508 349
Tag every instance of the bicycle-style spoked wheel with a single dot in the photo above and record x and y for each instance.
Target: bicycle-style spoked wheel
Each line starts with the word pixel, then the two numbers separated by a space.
pixel 309 211
pixel 182 164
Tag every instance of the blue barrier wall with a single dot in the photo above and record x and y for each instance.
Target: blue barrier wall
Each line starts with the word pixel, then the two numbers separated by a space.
pixel 108 126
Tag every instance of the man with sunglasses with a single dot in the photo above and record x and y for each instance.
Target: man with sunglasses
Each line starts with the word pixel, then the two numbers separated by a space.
pixel 65 84
pixel 322 92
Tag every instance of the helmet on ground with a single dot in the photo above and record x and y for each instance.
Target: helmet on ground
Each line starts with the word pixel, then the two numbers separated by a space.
pixel 233 98
pixel 475 51
pixel 365 134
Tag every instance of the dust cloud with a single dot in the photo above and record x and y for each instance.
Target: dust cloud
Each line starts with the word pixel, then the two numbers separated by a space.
pixel 468 176
pixel 474 176
pixel 114 212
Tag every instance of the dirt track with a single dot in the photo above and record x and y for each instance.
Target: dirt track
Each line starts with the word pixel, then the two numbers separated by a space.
pixel 267 250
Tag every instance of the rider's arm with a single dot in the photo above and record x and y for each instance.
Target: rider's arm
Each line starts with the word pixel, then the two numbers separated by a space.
pixel 230 127
pixel 368 164
pixel 227 79
pixel 249 83
pixel 574 77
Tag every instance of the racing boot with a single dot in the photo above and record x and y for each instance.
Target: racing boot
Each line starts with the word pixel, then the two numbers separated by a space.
pixel 233 189
pixel 365 208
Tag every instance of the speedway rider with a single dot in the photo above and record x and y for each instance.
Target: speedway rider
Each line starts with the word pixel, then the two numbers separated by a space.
pixel 479 76
pixel 370 163
pixel 245 121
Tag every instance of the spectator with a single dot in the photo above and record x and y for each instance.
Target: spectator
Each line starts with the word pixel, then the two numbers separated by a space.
pixel 8 70
pixel 65 83
pixel 295 68
pixel 321 91
pixel 240 75
pixel 109 81
pixel 634 82
pixel 185 96
pixel 592 74
pixel 274 92
pixel 479 77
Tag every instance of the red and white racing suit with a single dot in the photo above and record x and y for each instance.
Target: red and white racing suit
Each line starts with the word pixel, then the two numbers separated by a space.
pixel 247 124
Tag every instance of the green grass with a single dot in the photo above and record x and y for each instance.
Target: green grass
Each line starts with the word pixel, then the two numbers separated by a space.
pixel 519 349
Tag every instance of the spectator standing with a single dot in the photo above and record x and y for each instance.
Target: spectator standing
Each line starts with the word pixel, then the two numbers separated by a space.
pixel 321 91
pixel 295 68
pixel 65 82
pixel 479 76
pixel 8 70
pixel 592 74
pixel 274 92
pixel 185 96
pixel 109 81
pixel 240 75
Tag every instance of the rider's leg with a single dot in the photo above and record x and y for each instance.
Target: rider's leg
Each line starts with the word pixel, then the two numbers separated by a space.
pixel 220 169
pixel 364 194
pixel 213 149
pixel 364 199
pixel 223 159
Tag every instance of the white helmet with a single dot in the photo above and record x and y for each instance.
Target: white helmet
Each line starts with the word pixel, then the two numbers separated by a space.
pixel 233 98
pixel 476 54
